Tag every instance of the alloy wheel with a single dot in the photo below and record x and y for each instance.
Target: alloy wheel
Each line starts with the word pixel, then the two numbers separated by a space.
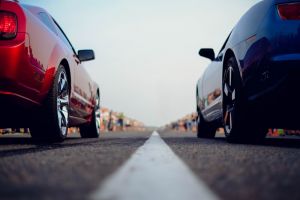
pixel 97 113
pixel 229 92
pixel 63 102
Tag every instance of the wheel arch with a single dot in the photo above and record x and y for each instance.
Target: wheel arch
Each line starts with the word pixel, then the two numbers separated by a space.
pixel 230 53
pixel 99 94
pixel 66 65
pixel 197 98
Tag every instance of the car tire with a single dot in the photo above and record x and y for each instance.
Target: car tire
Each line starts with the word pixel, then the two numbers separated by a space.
pixel 236 113
pixel 52 122
pixel 92 129
pixel 205 129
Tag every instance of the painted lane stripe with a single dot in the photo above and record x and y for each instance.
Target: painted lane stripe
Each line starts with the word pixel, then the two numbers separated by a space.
pixel 153 172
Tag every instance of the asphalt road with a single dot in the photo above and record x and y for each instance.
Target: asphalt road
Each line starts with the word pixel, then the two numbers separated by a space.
pixel 71 170
pixel 234 171
pixel 75 168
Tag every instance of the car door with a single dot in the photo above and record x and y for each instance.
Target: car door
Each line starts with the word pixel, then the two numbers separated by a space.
pixel 81 89
pixel 212 90
pixel 212 87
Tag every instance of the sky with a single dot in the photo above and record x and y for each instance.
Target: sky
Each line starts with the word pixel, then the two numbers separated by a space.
pixel 147 63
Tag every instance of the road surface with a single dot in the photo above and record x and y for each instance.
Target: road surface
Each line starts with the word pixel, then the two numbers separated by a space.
pixel 79 168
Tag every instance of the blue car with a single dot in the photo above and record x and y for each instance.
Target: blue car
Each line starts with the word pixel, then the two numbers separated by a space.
pixel 253 83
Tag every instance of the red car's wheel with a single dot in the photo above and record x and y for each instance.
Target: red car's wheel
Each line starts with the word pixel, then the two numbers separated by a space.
pixel 53 123
pixel 92 129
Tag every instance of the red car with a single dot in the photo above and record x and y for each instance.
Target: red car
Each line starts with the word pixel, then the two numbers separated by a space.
pixel 43 84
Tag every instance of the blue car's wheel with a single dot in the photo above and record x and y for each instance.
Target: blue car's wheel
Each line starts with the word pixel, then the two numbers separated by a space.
pixel 236 114
pixel 205 129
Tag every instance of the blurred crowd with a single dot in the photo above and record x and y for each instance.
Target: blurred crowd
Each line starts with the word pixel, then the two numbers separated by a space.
pixel 110 121
pixel 117 121
pixel 14 130
pixel 189 123
pixel 283 132
pixel 186 123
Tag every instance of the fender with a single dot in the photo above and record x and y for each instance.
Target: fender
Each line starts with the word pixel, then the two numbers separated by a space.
pixel 54 61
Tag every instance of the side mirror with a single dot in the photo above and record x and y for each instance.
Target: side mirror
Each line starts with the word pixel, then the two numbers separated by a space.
pixel 207 53
pixel 85 55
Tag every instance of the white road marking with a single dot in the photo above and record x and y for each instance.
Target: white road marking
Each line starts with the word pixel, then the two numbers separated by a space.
pixel 153 172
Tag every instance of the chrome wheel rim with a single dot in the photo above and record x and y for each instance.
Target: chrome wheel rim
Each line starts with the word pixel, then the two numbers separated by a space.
pixel 97 114
pixel 229 96
pixel 63 102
